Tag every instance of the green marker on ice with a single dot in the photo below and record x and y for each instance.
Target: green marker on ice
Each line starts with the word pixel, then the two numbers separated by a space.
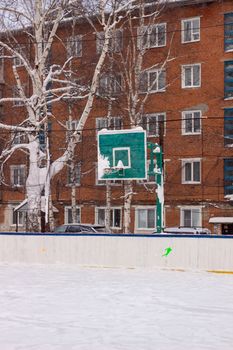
pixel 167 251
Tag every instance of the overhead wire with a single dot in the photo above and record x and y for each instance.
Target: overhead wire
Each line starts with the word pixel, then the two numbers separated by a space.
pixel 131 36
pixel 205 118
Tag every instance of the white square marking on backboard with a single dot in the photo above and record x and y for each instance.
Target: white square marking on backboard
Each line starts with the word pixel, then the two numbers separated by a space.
pixel 114 150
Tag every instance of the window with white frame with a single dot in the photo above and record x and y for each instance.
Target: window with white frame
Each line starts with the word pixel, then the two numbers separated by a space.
pixel 17 217
pixel 71 125
pixel 110 84
pixel 74 46
pixel 76 174
pixel 145 218
pixel 190 30
pixel 191 216
pixel 150 177
pixel 191 122
pixel 16 95
pixel 115 44
pixel 19 137
pixel 191 171
pixel 191 75
pixel 228 127
pixel 228 79
pixel 152 36
pixel 112 123
pixel 100 216
pixel 153 81
pixel 228 31
pixel 18 174
pixel 42 134
pixel 17 61
pixel 115 217
pixel 68 215
pixel 153 122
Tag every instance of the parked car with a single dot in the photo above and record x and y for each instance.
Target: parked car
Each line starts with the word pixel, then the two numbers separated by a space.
pixel 187 230
pixel 80 228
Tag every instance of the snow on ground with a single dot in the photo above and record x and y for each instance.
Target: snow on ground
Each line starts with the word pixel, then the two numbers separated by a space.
pixel 68 308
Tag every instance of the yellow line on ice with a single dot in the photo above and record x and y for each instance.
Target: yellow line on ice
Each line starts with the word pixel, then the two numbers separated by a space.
pixel 221 272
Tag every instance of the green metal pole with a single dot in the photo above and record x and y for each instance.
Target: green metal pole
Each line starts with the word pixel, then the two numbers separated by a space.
pixel 151 164
pixel 160 188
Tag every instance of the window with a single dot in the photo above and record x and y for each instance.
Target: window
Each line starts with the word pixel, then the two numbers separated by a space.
pixel 110 84
pixel 100 216
pixel 115 44
pixel 191 76
pixel 16 95
pixel 153 81
pixel 190 30
pixel 68 215
pixel 190 216
pixel 19 137
pixel 145 218
pixel 115 217
pixel 150 177
pixel 191 122
pixel 228 127
pixel 228 176
pixel 191 171
pixel 228 79
pixel 77 174
pixel 228 31
pixel 49 97
pixel 42 134
pixel 153 122
pixel 152 36
pixel 17 62
pixel 17 175
pixel 112 123
pixel 17 217
pixel 74 46
pixel 71 126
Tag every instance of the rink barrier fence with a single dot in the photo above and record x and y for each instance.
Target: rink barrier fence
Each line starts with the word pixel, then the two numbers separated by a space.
pixel 189 252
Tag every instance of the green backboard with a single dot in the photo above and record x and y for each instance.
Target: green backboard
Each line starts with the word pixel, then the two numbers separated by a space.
pixel 122 154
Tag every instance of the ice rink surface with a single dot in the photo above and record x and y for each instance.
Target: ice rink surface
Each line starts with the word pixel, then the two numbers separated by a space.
pixel 68 308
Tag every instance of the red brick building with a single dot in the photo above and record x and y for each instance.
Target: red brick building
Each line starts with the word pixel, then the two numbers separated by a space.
pixel 189 111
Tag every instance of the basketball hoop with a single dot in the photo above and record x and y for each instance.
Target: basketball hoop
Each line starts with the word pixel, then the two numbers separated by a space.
pixel 119 169
pixel 114 170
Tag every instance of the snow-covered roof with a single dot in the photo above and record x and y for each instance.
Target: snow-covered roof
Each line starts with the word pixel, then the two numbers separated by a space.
pixel 23 206
pixel 221 220
pixel 138 129
pixel 189 2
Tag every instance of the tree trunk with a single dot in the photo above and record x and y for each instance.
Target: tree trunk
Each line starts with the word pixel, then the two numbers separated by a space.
pixel 51 216
pixel 108 207
pixel 73 204
pixel 34 213
pixel 127 205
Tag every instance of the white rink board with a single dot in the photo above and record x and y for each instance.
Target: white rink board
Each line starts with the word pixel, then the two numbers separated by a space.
pixel 188 253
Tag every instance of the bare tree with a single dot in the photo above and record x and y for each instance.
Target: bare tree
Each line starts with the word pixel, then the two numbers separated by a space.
pixel 141 76
pixel 37 22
